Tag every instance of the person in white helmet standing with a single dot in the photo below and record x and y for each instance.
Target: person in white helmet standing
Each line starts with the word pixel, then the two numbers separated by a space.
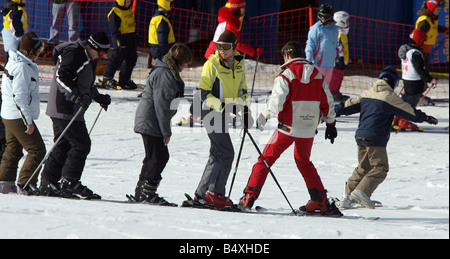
pixel 342 20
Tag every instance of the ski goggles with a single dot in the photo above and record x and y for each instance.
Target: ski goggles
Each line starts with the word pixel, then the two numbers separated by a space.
pixel 225 46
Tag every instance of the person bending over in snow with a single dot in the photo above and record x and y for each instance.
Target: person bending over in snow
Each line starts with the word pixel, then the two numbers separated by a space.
pixel 377 107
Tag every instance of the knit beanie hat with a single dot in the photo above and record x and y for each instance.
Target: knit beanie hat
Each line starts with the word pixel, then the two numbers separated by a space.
pixel 30 41
pixel 99 41
pixel 236 4
pixel 228 36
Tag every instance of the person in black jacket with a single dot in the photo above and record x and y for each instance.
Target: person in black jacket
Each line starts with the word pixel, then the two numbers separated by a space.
pixel 153 116
pixel 415 76
pixel 72 87
pixel 123 31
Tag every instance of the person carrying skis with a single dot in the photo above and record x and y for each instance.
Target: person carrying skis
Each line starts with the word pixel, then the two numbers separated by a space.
pixel 20 109
pixel 377 107
pixel 153 116
pixel 123 32
pixel 414 75
pixel 72 88
pixel 300 100
pixel 223 91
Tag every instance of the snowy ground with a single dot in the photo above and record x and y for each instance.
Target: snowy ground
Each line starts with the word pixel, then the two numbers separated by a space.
pixel 415 195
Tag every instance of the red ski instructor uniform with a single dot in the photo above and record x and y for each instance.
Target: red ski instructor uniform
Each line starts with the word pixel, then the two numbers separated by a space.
pixel 301 98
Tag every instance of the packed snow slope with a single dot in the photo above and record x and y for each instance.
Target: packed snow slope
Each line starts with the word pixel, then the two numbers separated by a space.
pixel 415 195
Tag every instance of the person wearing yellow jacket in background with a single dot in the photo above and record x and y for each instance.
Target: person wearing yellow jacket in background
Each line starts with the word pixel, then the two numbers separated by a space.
pixel 223 91
pixel 15 24
pixel 428 22
pixel 123 32
pixel 160 31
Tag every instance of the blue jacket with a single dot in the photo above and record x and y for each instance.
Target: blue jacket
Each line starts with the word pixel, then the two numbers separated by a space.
pixel 377 107
pixel 322 44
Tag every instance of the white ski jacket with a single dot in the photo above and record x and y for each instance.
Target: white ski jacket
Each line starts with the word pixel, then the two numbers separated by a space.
pixel 20 89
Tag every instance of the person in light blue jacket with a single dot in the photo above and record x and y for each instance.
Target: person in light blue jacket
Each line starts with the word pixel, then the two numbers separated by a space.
pixel 322 43
pixel 20 109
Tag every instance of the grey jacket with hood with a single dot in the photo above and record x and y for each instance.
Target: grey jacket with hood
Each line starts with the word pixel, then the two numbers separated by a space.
pixel 157 106
pixel 74 76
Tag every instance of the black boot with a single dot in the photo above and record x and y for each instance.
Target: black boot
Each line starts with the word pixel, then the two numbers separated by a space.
pixel 146 192
pixel 127 84
pixel 71 188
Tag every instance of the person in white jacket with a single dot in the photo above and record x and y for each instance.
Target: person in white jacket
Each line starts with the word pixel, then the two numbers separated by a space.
pixel 300 100
pixel 20 108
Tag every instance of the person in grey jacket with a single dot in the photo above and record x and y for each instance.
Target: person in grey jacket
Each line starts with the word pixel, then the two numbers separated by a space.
pixel 153 117
pixel 72 87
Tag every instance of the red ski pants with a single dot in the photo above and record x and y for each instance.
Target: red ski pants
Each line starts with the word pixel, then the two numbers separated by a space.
pixel 273 150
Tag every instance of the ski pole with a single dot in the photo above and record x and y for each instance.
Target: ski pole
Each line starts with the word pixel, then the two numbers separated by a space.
pixel 270 170
pixel 417 105
pixel 38 168
pixel 237 164
pixel 95 121
pixel 254 75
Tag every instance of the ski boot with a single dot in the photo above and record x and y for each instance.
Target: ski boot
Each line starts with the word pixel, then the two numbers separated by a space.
pixel 362 198
pixel 72 188
pixel 127 84
pixel 110 83
pixel 247 201
pixel 49 189
pixel 146 193
pixel 30 190
pixel 404 125
pixel 218 200
pixel 320 204
pixel 7 187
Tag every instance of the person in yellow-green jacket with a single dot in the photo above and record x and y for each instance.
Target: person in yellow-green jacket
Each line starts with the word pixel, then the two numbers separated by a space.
pixel 123 32
pixel 160 31
pixel 223 91
pixel 15 24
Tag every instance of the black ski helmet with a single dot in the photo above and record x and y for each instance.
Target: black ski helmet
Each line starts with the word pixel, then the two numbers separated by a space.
pixel 325 12
pixel 390 75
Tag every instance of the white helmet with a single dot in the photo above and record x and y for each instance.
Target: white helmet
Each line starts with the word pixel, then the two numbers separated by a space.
pixel 341 19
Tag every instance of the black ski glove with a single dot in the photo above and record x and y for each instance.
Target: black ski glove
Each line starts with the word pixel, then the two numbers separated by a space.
pixel 331 132
pixel 104 100
pixel 84 100
pixel 431 120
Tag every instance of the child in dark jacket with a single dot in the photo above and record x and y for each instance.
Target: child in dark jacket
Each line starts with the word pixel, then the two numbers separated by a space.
pixel 123 31
pixel 414 75
pixel 377 107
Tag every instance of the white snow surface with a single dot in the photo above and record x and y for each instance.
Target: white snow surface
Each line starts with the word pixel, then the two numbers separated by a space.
pixel 415 195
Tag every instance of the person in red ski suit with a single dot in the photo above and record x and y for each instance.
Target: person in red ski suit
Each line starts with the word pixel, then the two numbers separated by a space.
pixel 230 18
pixel 301 98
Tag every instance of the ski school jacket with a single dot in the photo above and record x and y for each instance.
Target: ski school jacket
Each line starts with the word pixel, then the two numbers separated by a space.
pixel 20 89
pixel 301 98
pixel 322 44
pixel 414 74
pixel 377 107
pixel 74 75
pixel 221 85
pixel 160 35
pixel 122 25
pixel 156 107
pixel 428 23
pixel 228 21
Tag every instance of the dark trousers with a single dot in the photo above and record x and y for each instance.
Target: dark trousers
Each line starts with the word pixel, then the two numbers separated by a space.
pixel 156 158
pixel 68 158
pixel 124 57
